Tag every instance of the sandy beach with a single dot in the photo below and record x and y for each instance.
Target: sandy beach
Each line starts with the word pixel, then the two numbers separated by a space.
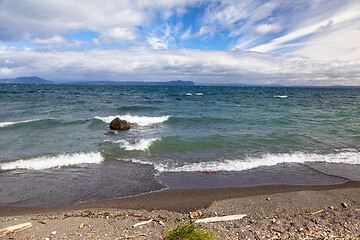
pixel 273 212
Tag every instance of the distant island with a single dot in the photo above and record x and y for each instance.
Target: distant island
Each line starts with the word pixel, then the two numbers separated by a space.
pixel 38 80
pixel 26 80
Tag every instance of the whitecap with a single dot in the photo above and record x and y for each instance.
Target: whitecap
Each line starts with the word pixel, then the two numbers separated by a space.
pixel 46 162
pixel 281 96
pixel 5 124
pixel 137 145
pixel 139 120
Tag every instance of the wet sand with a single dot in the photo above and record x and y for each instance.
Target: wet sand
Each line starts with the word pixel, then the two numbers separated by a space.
pixel 282 212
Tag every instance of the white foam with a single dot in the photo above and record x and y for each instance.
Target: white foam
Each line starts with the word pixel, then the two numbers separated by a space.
pixel 46 162
pixel 5 124
pixel 139 120
pixel 137 145
pixel 265 160
pixel 284 96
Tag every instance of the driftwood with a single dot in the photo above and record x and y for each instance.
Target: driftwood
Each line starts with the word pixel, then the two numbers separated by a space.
pixel 129 237
pixel 16 228
pixel 220 219
pixel 316 212
pixel 142 223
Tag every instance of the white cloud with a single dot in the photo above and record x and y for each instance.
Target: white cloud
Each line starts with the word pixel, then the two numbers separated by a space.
pixel 162 65
pixel 204 30
pixel 157 43
pixel 335 36
pixel 268 28
pixel 186 34
pixel 56 42
pixel 114 20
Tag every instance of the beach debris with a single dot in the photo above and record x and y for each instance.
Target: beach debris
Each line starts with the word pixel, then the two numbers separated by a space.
pixel 317 212
pixel 142 223
pixel 82 225
pixel 154 219
pixel 207 172
pixel 221 219
pixel 255 234
pixel 129 237
pixel 344 205
pixel 333 208
pixel 193 215
pixel 15 228
pixel 277 230
pixel 118 124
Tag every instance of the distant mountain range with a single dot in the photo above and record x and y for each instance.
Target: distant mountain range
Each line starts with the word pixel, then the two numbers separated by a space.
pixel 37 80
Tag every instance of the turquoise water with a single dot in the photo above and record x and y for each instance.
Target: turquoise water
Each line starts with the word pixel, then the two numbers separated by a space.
pixel 59 130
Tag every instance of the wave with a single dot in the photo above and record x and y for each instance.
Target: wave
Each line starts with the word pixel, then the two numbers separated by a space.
pixel 137 145
pixel 5 124
pixel 46 162
pixel 281 96
pixel 139 120
pixel 253 162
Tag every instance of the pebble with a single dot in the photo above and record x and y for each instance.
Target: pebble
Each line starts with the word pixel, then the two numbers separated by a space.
pixel 344 205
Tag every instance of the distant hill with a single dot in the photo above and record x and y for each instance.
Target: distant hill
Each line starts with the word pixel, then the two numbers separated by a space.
pixel 30 80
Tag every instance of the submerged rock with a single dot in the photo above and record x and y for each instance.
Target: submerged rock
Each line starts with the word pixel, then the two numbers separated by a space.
pixel 118 124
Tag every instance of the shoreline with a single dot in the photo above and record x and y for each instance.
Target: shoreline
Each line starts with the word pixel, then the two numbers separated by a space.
pixel 180 200
pixel 277 212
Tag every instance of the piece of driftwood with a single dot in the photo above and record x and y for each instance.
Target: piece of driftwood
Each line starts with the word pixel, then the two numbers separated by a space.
pixel 317 212
pixel 142 223
pixel 16 228
pixel 221 219
pixel 129 237
pixel 154 219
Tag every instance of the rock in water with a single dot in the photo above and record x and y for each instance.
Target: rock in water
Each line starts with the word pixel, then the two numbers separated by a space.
pixel 118 124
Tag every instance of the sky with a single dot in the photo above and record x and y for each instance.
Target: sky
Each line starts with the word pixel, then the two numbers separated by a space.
pixel 287 42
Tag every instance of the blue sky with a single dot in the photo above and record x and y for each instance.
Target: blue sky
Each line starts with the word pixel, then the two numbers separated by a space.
pixel 302 42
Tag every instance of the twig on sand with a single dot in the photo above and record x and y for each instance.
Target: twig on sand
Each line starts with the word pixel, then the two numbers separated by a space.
pixel 16 228
pixel 220 219
pixel 255 235
pixel 129 237
pixel 317 212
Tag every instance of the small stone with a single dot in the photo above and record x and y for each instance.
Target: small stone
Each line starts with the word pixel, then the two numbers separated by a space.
pixel 344 205
pixel 53 233
pixel 268 199
pixel 333 208
pixel 193 214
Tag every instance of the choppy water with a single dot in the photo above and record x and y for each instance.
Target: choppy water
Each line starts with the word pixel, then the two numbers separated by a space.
pixel 52 139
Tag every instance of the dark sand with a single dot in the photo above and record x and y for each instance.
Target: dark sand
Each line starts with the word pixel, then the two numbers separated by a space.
pixel 278 212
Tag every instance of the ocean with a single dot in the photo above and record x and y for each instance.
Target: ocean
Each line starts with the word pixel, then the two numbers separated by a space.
pixel 54 149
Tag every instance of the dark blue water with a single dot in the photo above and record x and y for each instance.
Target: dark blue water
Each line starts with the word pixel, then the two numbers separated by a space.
pixel 244 136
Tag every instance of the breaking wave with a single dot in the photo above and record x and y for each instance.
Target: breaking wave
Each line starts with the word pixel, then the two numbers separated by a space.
pixel 139 120
pixel 137 145
pixel 254 162
pixel 5 124
pixel 46 162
